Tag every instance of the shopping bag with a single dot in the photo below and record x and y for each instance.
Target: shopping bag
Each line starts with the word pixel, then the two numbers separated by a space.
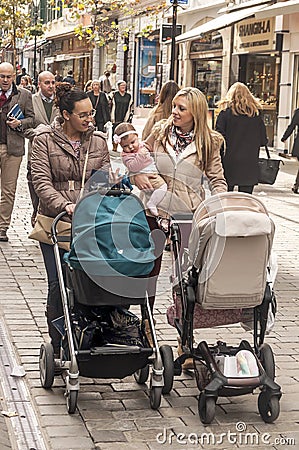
pixel 268 169
pixel 42 231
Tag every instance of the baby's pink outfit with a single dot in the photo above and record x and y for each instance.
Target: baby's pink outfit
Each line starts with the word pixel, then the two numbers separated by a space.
pixel 144 163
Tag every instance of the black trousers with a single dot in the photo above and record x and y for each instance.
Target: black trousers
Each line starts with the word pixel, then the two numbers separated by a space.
pixel 54 305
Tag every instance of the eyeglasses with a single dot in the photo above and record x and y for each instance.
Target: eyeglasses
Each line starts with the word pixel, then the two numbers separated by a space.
pixel 82 116
pixel 9 77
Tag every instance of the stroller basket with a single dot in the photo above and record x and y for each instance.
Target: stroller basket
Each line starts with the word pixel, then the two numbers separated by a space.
pixel 109 362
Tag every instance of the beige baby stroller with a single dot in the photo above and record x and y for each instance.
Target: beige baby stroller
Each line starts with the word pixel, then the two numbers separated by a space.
pixel 229 250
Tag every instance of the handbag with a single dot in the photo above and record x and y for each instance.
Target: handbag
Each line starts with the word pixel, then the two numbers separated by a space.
pixel 42 231
pixel 268 169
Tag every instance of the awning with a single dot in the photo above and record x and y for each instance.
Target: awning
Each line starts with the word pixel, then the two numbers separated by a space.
pixel 279 9
pixel 220 22
pixel 38 45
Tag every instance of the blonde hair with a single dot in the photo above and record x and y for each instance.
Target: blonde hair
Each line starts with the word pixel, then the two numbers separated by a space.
pixel 205 138
pixel 241 101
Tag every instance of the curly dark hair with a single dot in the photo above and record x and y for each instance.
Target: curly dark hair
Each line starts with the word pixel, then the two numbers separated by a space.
pixel 67 96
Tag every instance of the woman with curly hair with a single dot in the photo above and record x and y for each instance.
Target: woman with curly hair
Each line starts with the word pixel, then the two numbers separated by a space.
pixel 163 108
pixel 244 131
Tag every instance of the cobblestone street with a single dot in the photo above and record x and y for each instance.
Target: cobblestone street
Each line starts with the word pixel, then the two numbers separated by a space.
pixel 115 414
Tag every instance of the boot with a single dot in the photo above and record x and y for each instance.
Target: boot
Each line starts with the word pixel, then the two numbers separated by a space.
pixel 188 364
pixel 53 311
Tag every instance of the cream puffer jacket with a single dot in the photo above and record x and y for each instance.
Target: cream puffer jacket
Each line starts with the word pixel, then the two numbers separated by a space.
pixel 184 176
pixel 56 172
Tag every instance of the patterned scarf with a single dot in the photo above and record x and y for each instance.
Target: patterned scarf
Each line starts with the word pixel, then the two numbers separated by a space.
pixel 180 140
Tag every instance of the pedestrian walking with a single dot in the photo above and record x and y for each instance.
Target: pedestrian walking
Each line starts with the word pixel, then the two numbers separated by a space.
pixel 45 112
pixel 59 153
pixel 58 77
pixel 295 150
pixel 87 86
pixel 105 82
pixel 69 78
pixel 20 75
pixel 163 108
pixel 244 131
pixel 183 147
pixel 121 106
pixel 26 83
pixel 100 104
pixel 12 141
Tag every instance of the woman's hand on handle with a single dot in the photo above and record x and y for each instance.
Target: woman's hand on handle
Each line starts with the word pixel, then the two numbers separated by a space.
pixel 70 208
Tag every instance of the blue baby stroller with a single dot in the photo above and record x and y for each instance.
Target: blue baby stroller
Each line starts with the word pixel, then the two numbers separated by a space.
pixel 110 257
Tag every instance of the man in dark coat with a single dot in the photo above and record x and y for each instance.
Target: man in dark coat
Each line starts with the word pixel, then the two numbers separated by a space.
pixel 69 78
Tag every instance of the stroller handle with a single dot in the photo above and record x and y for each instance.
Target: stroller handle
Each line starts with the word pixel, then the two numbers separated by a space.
pixel 54 225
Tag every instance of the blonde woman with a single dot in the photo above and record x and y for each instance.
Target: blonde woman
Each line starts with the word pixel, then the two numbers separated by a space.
pixel 183 148
pixel 164 107
pixel 244 131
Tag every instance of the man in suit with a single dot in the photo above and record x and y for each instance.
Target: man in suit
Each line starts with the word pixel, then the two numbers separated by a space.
pixel 12 142
pixel 45 112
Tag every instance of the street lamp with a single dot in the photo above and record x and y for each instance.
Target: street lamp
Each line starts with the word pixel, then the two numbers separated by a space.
pixel 173 36
pixel 35 33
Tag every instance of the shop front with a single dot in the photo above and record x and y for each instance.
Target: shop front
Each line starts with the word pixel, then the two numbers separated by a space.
pixel 67 54
pixel 259 66
pixel 206 56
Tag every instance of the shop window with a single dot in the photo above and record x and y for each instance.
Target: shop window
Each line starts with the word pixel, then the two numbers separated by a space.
pixel 207 42
pixel 261 70
pixel 262 80
pixel 208 79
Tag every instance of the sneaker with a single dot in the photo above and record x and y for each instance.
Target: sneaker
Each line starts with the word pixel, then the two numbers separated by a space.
pixel 295 189
pixel 189 363
pixel 3 236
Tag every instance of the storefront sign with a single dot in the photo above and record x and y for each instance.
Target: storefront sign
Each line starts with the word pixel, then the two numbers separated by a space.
pixel 253 35
pixel 49 60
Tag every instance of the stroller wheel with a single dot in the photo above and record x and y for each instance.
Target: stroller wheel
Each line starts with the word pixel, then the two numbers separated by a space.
pixel 206 408
pixel 168 374
pixel 155 397
pixel 267 360
pixel 269 407
pixel 71 401
pixel 141 375
pixel 46 365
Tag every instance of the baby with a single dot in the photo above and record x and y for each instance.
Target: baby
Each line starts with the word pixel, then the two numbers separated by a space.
pixel 138 160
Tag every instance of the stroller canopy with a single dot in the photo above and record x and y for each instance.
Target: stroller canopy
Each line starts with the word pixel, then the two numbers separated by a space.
pixel 111 236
